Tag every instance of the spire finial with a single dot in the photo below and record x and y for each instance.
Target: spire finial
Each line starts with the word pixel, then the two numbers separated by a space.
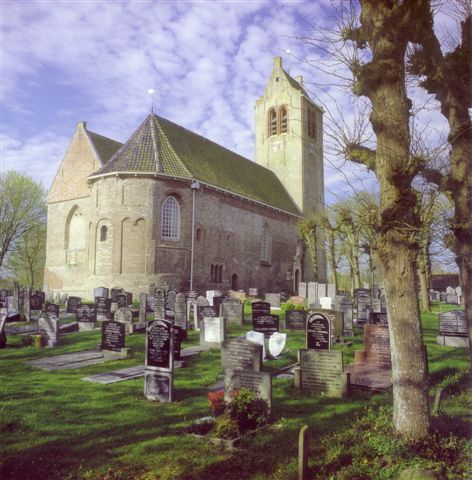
pixel 151 92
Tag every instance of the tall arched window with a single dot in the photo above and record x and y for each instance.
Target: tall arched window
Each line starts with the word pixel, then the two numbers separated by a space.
pixel 265 244
pixel 272 122
pixel 170 225
pixel 283 120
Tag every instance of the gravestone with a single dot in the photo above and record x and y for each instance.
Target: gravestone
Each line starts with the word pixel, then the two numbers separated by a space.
pixel 159 346
pixel 204 311
pixel 26 304
pixel 217 301
pixel 49 329
pixel 336 319
pixel 212 331
pixel 252 292
pixel 322 372
pixel 100 292
pixel 453 330
pixel 318 331
pixel 257 337
pixel 260 309
pixel 276 344
pixel 170 303
pixel 180 312
pixel 296 301
pixel 142 307
pixel 295 320
pixel 258 382
pixel 302 289
pixel 363 303
pixel 114 292
pixel 3 321
pixel 124 315
pixel 345 306
pixel 36 302
pixel 376 347
pixel 452 299
pixel 312 293
pixel 51 309
pixel 86 316
pixel 72 304
pixel 450 290
pixel 159 304
pixel 241 354
pixel 383 304
pixel 233 310
pixel 377 318
pixel 178 339
pixel 273 299
pixel 331 291
pixel 320 290
pixel 266 324
pixel 122 300
pixel 158 385
pixel 113 336
pixel 375 302
pixel 326 303
pixel 103 306
pixel 129 298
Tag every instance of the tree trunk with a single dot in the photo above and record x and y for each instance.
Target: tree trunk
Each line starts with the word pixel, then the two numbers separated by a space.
pixel 332 259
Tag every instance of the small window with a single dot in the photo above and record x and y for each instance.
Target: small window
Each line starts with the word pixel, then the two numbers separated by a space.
pixel 272 122
pixel 170 226
pixel 283 120
pixel 103 233
pixel 311 123
pixel 198 234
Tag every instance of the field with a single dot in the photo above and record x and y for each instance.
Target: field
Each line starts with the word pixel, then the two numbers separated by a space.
pixel 56 426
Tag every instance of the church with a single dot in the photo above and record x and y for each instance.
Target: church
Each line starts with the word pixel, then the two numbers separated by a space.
pixel 170 207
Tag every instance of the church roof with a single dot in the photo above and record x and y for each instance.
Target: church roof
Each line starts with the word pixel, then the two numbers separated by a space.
pixel 160 146
pixel 105 147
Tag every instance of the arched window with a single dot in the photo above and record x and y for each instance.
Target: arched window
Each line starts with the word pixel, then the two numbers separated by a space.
pixel 170 225
pixel 103 233
pixel 283 120
pixel 265 244
pixel 272 122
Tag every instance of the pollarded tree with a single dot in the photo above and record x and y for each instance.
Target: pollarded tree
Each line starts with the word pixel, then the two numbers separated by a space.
pixel 448 77
pixel 386 27
pixel 22 206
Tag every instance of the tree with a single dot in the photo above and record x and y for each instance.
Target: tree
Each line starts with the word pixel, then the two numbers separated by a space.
pixel 22 207
pixel 386 27
pixel 448 77
pixel 308 229
pixel 26 262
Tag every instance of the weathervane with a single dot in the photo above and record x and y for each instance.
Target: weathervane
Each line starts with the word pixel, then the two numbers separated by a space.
pixel 151 92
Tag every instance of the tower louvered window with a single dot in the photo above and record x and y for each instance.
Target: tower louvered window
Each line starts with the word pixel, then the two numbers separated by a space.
pixel 272 122
pixel 311 123
pixel 170 225
pixel 283 120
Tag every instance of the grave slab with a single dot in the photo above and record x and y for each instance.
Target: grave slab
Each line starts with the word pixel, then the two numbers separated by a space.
pixel 68 360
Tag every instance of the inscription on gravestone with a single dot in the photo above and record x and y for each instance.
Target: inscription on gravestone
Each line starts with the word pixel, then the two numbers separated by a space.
pixel 232 310
pixel 266 324
pixel 209 311
pixel 295 320
pixel 159 345
pixel 158 385
pixel 113 336
pixel 377 346
pixel 322 372
pixel 239 353
pixel 318 331
pixel 72 304
pixel 51 309
pixel 86 313
pixel 103 306
pixel 453 323
pixel 122 300
pixel 212 331
pixel 159 304
pixel 260 309
pixel 258 382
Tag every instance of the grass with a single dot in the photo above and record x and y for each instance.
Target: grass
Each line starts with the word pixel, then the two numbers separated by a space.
pixel 56 426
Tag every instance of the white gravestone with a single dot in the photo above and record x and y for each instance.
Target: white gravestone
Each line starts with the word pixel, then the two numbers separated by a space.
pixel 277 343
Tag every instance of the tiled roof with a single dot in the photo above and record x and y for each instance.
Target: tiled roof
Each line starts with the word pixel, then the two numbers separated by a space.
pixel 106 147
pixel 161 146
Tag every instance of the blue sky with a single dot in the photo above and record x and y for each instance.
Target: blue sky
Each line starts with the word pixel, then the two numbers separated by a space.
pixel 208 61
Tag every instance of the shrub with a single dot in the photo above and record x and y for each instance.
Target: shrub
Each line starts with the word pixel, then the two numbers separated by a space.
pixel 225 427
pixel 217 402
pixel 248 411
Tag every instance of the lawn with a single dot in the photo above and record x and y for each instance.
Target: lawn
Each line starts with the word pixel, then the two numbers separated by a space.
pixel 56 426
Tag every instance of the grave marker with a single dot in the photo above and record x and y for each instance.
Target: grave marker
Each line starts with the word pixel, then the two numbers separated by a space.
pixel 259 338
pixel 113 336
pixel 260 309
pixel 233 310
pixel 266 324
pixel 276 344
pixel 48 327
pixel 180 312
pixel 72 304
pixel 212 331
pixel 273 299
pixel 159 346
pixel 318 331
pixel 100 292
pixel 103 306
pixel 159 304
pixel 158 385
pixel 258 382
pixel 204 311
pixel 86 316
pixel 295 320
pixel 51 309
pixel 241 354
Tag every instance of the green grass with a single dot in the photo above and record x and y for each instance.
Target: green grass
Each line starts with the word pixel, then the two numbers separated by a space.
pixel 56 426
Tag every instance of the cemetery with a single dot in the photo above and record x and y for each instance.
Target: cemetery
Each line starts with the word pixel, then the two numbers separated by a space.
pixel 113 400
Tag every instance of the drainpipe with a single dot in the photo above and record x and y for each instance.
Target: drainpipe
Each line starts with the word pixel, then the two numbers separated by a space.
pixel 194 186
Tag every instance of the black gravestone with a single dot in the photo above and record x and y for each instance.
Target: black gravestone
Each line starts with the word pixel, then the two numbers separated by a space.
pixel 295 320
pixel 86 313
pixel 72 304
pixel 159 345
pixel 114 292
pixel 378 318
pixel 260 309
pixel 36 302
pixel 51 309
pixel 318 331
pixel 129 298
pixel 266 324
pixel 122 300
pixel 179 335
pixel 113 336
pixel 218 300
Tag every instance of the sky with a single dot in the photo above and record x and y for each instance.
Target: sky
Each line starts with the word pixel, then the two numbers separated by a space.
pixel 63 62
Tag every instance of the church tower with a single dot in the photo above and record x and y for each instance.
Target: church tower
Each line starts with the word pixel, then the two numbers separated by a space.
pixel 289 141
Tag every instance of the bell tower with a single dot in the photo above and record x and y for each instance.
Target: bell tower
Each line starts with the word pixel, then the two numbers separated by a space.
pixel 289 141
